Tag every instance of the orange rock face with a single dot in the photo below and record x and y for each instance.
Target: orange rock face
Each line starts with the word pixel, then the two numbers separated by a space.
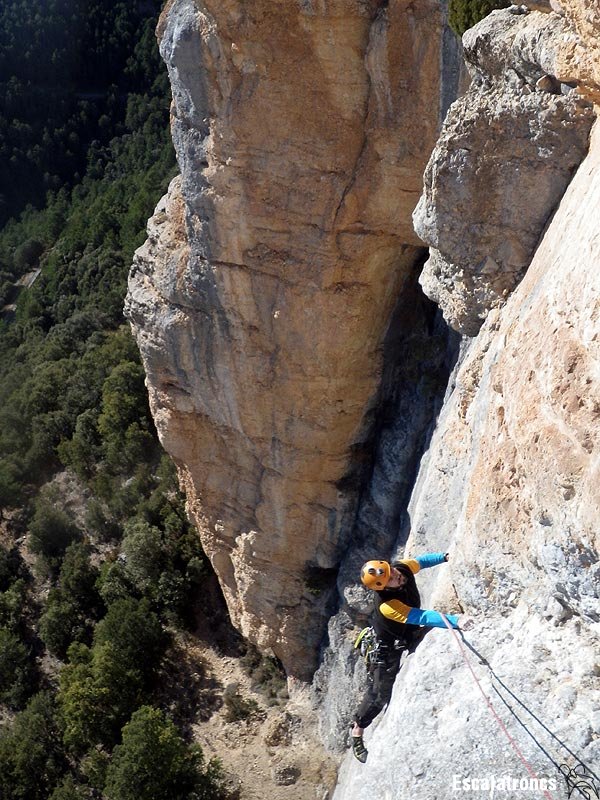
pixel 261 299
pixel 580 58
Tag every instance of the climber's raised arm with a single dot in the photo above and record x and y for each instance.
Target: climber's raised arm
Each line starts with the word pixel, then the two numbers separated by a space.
pixel 425 561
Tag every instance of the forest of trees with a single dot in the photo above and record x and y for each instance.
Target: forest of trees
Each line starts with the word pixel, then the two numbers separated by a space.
pixel 89 602
pixel 66 75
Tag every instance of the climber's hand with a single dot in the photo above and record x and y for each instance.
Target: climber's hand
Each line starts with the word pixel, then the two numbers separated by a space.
pixel 446 556
pixel 466 622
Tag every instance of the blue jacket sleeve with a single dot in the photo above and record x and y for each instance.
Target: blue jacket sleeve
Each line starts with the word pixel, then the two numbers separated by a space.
pixel 431 619
pixel 430 560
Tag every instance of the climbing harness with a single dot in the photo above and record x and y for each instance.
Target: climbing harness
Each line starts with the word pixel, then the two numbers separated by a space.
pixel 368 645
pixel 373 651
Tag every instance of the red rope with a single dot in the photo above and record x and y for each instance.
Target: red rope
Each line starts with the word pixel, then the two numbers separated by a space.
pixel 528 766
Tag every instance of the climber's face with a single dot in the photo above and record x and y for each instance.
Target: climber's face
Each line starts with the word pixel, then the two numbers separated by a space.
pixel 397 579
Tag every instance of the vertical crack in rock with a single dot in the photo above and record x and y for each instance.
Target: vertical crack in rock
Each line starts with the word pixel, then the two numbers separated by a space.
pixel 509 482
pixel 261 327
pixel 379 21
pixel 419 353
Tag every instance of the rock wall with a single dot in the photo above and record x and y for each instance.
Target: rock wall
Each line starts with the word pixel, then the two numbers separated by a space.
pixel 296 371
pixel 579 57
pixel 507 152
pixel 510 486
pixel 263 296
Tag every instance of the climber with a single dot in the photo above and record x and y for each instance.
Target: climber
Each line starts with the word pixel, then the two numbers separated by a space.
pixel 396 623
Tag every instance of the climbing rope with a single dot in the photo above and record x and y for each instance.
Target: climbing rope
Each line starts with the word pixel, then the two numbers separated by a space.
pixel 501 724
pixel 580 778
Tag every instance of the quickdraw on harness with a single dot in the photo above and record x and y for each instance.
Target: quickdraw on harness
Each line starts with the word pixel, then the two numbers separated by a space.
pixel 372 650
pixel 368 644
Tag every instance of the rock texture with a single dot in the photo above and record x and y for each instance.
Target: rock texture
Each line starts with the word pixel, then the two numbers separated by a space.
pixel 262 298
pixel 510 486
pixel 579 58
pixel 275 303
pixel 507 151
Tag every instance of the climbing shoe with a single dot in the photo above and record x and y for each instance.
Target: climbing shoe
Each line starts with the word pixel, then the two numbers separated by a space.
pixel 359 749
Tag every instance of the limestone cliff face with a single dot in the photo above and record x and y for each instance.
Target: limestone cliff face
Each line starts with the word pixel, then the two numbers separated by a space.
pixel 510 486
pixel 579 58
pixel 290 355
pixel 507 152
pixel 263 295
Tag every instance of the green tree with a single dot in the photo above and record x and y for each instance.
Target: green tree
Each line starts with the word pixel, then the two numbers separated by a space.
pixel 28 254
pixel 114 583
pixel 11 567
pixel 463 14
pixel 46 431
pixel 68 789
pixel 12 605
pixel 154 763
pixel 83 699
pixel 163 561
pixel 82 451
pixel 134 633
pixel 78 576
pixel 60 624
pixel 31 753
pixel 101 522
pixel 144 553
pixel 51 531
pixel 102 686
pixel 125 420
pixel 10 486
pixel 16 670
pixel 75 602
pixel 13 590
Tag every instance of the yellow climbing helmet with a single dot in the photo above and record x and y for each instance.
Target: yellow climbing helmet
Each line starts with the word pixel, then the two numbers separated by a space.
pixel 375 574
